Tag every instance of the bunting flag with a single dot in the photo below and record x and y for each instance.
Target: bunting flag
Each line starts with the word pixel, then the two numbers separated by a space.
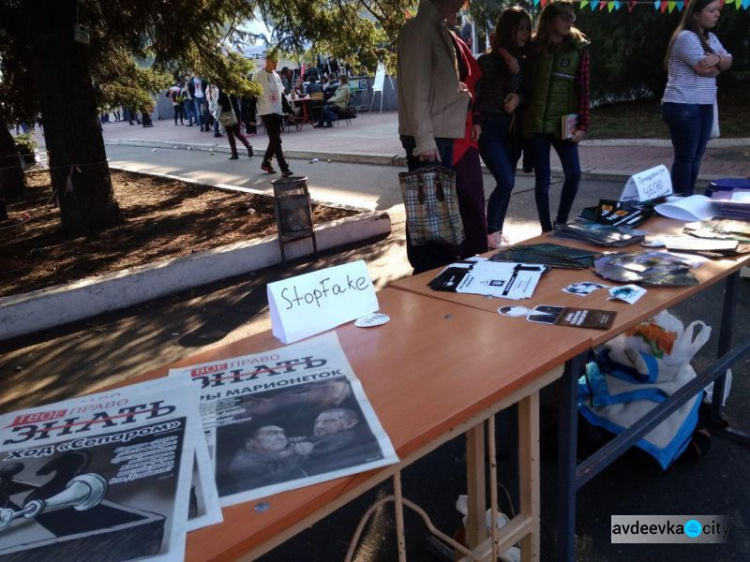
pixel 663 6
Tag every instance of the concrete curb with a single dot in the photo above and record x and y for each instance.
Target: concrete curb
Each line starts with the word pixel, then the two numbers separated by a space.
pixel 400 161
pixel 663 143
pixel 348 157
pixel 45 308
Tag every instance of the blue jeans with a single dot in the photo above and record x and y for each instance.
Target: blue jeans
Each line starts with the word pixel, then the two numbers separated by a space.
pixel 189 108
pixel 444 146
pixel 429 256
pixel 501 157
pixel 689 126
pixel 568 152
pixel 199 103
pixel 329 113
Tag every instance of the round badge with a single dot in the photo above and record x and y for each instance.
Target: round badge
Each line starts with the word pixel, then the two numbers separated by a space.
pixel 513 310
pixel 372 320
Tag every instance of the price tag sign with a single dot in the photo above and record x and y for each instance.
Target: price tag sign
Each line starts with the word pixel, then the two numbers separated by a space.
pixel 315 302
pixel 648 184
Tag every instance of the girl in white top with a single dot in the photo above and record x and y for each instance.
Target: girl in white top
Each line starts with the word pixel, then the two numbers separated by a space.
pixel 694 58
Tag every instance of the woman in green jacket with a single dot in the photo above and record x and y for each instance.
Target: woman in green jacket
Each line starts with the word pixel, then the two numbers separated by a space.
pixel 559 93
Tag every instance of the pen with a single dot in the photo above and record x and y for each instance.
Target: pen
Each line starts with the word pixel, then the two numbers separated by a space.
pixel 625 219
pixel 635 218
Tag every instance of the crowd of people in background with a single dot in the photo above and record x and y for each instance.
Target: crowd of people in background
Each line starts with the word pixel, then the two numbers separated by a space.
pixel 197 102
pixel 515 99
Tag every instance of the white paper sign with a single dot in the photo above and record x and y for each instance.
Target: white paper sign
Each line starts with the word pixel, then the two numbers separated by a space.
pixel 315 302
pixel 379 82
pixel 648 184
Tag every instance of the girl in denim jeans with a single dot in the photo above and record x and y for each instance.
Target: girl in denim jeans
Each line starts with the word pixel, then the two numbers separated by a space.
pixel 694 59
pixel 559 88
pixel 500 91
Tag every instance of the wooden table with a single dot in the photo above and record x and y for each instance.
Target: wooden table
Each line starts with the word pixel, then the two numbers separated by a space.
pixel 549 291
pixel 427 382
pixel 304 102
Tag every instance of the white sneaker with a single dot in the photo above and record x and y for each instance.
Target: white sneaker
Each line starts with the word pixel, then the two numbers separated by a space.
pixel 497 240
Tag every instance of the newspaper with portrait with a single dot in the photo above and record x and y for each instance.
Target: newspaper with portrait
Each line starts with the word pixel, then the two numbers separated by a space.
pixel 286 418
pixel 100 477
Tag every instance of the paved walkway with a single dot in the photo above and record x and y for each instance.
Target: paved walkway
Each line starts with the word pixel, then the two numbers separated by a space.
pixel 373 138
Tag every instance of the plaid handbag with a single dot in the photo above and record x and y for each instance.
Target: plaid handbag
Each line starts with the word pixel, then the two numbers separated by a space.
pixel 431 204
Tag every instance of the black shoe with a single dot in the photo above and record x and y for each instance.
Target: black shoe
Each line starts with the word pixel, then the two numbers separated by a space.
pixel 249 151
pixel 318 126
pixel 234 157
pixel 217 135
pixel 286 173
pixel 266 167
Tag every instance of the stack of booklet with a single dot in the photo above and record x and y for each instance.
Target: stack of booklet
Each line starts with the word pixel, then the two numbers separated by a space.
pixel 599 234
pixel 732 204
pixel 650 268
pixel 552 255
pixel 720 230
pixel 507 280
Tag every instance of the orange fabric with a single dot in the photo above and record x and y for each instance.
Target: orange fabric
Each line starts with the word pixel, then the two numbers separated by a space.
pixel 460 146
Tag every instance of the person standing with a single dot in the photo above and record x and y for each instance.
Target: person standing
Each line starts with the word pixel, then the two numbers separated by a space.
pixel 466 164
pixel 695 58
pixel 195 86
pixel 188 105
pixel 500 93
pixel 270 107
pixel 233 130
pixel 559 87
pixel 432 104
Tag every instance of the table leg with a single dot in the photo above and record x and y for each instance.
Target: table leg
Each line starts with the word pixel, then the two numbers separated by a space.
pixel 398 506
pixel 725 344
pixel 476 530
pixel 492 446
pixel 528 466
pixel 567 445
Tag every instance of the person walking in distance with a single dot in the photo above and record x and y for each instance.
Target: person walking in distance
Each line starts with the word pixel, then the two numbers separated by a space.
pixel 233 127
pixel 270 107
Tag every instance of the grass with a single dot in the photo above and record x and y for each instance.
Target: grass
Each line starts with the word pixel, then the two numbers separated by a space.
pixel 642 120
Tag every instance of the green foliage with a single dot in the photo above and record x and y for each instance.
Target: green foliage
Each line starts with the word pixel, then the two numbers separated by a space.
pixel 26 143
pixel 16 80
pixel 627 51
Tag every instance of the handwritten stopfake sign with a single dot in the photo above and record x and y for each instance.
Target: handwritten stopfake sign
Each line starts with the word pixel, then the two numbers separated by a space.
pixel 315 302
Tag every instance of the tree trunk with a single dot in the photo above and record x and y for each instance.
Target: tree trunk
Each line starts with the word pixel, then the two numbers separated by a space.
pixel 12 178
pixel 72 132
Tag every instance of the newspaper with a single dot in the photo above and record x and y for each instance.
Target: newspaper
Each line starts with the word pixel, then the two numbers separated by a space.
pixel 204 509
pixel 101 477
pixel 286 418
